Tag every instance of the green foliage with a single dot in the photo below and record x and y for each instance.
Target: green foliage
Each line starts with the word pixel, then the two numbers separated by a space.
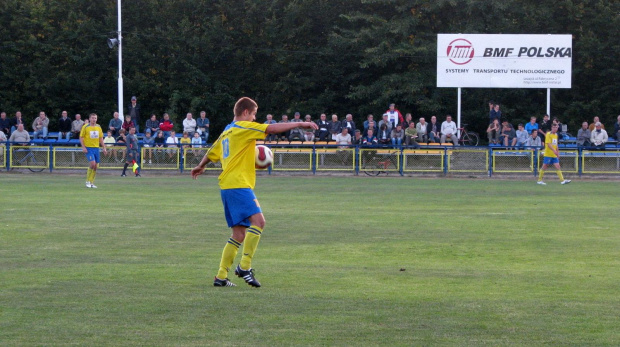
pixel 343 57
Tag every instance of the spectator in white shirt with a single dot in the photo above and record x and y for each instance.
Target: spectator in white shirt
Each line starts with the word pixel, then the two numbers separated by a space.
pixel 189 125
pixel 172 142
pixel 449 131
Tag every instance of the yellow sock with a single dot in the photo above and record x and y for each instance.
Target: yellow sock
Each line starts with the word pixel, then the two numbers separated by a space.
pixel 228 256
pixel 541 174
pixel 92 176
pixel 252 236
pixel 559 172
pixel 88 174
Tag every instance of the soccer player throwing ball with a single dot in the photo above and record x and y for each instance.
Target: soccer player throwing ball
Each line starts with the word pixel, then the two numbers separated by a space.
pixel 91 137
pixel 551 155
pixel 235 149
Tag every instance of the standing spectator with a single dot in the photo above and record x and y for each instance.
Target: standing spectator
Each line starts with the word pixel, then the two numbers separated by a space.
pixel 369 118
pixel 495 113
pixel 148 142
pixel 64 126
pixel 521 139
pixel 284 135
pixel 16 121
pixel 189 125
pixel 202 126
pixel 583 136
pixel 133 154
pixel 422 128
pixel 433 130
pixel 5 124
pixel 91 139
pixel 545 126
pixel 385 120
pixel 152 125
pixel 411 135
pixel 599 136
pixel 394 116
pixel 349 123
pixel 397 135
pixel 508 133
pixel 617 129
pixel 532 125
pixel 20 136
pixel 40 126
pixel 115 124
pixel 593 124
pixel 534 140
pixel 172 142
pixel 335 126
pixel 323 131
pixel 166 125
pixel 128 123
pixel 296 133
pixel 449 131
pixel 76 126
pixel 270 137
pixel 493 132
pixel 308 132
pixel 133 111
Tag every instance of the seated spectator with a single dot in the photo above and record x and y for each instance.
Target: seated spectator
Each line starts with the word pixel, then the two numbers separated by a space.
pixel 599 137
pixel 40 126
pixel 166 125
pixel 593 124
pixel 202 126
pixel 384 120
pixel 109 142
pixel 160 144
pixel 370 139
pixel 421 128
pixel 493 132
pixel 5 124
pixel 449 131
pixel 115 124
pixel 433 130
pixel 296 134
pixel 322 133
pixel 121 140
pixel 357 139
pixel 617 129
pixel 172 142
pixel 308 132
pixel 369 118
pixel 534 140
pixel 408 120
pixel 397 135
pixel 270 120
pixel 335 127
pixel 20 136
pixel 186 142
pixel 284 135
pixel 76 126
pixel 3 139
pixel 521 139
pixel 128 124
pixel 507 134
pixel 148 142
pixel 17 121
pixel 349 123
pixel 152 124
pixel 411 135
pixel 384 135
pixel 583 136
pixel 196 143
pixel 189 125
pixel 344 138
pixel 371 126
pixel 64 126
pixel 531 125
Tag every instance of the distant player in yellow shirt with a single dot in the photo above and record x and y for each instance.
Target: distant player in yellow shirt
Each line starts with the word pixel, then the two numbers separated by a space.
pixel 235 149
pixel 551 155
pixel 91 137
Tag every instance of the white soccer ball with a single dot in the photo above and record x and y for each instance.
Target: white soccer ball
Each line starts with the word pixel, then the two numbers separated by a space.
pixel 264 157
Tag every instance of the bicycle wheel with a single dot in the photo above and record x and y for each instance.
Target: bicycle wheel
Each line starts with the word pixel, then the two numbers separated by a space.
pixel 372 169
pixel 32 162
pixel 471 139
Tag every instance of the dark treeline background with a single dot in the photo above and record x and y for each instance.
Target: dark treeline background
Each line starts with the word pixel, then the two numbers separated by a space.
pixel 311 56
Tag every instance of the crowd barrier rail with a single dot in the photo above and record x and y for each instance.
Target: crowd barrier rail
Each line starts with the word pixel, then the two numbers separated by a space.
pixel 314 158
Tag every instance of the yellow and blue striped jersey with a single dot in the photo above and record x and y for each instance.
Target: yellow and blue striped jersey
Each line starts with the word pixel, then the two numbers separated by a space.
pixel 551 141
pixel 236 150
pixel 91 135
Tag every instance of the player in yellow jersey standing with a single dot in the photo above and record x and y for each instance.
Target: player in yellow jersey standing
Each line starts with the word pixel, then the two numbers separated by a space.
pixel 551 155
pixel 91 138
pixel 235 149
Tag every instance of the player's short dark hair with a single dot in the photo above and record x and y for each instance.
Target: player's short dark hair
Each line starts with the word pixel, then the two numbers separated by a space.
pixel 243 104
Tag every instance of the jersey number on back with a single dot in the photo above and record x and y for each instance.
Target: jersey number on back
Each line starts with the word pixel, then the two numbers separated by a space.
pixel 225 149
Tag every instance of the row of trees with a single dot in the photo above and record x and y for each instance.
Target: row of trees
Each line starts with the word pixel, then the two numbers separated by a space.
pixel 312 56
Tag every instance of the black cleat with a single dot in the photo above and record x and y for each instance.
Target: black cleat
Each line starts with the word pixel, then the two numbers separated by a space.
pixel 248 276
pixel 223 283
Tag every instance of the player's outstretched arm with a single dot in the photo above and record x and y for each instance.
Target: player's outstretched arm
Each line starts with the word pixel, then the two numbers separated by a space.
pixel 282 127
pixel 200 168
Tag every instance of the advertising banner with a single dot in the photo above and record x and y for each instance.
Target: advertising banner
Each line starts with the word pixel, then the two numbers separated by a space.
pixel 504 61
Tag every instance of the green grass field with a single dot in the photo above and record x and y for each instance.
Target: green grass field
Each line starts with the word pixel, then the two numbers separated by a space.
pixel 366 261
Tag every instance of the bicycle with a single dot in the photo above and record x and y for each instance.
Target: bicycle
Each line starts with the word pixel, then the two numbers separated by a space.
pixel 468 138
pixel 29 160
pixel 374 165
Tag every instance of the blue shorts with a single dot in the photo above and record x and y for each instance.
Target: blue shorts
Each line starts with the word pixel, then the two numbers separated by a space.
pixel 92 154
pixel 550 160
pixel 239 206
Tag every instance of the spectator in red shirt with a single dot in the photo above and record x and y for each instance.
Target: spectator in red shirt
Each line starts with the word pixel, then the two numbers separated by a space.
pixel 166 125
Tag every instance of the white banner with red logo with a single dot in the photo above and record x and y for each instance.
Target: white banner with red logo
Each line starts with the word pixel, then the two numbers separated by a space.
pixel 504 61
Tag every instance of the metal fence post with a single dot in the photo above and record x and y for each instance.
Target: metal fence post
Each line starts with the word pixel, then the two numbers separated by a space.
pixel 445 161
pixel 50 157
pixel 580 161
pixel 8 156
pixel 535 162
pixel 490 161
